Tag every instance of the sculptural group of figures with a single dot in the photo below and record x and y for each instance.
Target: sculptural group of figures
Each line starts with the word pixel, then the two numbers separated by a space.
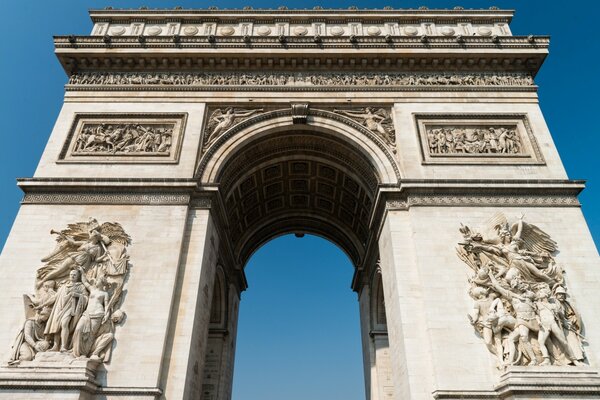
pixel 499 140
pixel 78 292
pixel 291 79
pixel 124 138
pixel 521 307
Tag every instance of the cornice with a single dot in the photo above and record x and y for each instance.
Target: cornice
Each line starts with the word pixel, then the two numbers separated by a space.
pixel 390 53
pixel 481 193
pixel 101 15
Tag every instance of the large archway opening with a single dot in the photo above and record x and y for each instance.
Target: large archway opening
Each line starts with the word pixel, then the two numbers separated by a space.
pixel 298 324
pixel 308 179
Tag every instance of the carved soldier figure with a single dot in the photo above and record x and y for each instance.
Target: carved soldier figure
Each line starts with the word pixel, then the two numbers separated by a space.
pixel 571 323
pixel 548 313
pixel 30 339
pixel 526 315
pixel 70 302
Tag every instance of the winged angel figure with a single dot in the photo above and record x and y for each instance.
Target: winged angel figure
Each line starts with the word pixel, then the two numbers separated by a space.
pixel 221 120
pixel 78 291
pixel 376 120
pixel 519 292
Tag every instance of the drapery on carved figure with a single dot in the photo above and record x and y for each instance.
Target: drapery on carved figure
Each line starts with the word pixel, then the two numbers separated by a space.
pixel 520 298
pixel 88 269
pixel 130 139
pixel 468 140
pixel 378 121
pixel 221 120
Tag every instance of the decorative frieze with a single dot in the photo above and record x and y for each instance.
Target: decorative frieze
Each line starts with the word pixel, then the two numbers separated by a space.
pixel 474 139
pixel 483 200
pixel 114 198
pixel 216 80
pixel 124 138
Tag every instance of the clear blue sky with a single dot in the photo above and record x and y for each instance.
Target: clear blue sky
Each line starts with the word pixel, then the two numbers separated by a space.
pixel 298 331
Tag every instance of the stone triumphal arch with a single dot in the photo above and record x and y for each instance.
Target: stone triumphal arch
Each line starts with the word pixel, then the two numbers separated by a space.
pixel 412 139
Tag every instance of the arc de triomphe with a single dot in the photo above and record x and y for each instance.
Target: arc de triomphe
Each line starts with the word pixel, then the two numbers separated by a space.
pixel 412 139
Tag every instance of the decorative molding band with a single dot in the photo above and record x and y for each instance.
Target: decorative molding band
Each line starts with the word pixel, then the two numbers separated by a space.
pixel 286 81
pixel 304 41
pixel 482 200
pixel 107 198
pixel 201 202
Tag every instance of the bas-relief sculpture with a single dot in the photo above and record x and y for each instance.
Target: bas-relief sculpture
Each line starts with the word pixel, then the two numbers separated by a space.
pixel 355 79
pixel 221 120
pixel 521 307
pixel 130 139
pixel 473 140
pixel 78 294
pixel 377 120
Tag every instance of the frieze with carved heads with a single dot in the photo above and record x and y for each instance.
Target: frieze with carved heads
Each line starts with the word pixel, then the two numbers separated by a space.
pixel 78 295
pixel 118 138
pixel 220 80
pixel 521 307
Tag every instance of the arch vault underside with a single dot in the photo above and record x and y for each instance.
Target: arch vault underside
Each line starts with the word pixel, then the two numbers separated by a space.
pixel 412 139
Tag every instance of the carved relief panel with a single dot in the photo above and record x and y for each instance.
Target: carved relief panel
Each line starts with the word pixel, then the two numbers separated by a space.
pixel 477 139
pixel 130 138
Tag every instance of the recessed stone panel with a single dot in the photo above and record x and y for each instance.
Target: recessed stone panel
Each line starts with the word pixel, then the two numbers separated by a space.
pixel 124 138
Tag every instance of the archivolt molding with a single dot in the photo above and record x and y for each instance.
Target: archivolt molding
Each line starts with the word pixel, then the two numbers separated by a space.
pixel 375 137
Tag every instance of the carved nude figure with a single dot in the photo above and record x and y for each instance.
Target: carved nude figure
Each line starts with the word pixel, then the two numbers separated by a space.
pixel 526 315
pixel 95 314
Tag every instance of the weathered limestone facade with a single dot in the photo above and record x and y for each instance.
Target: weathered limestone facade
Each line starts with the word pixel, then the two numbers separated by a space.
pixel 191 137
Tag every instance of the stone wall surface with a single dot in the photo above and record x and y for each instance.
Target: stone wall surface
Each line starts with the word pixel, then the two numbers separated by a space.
pixel 157 234
pixel 433 339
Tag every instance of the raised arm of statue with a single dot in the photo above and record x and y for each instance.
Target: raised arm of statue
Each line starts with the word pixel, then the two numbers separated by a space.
pixel 247 113
pixel 517 235
pixel 504 292
pixel 84 280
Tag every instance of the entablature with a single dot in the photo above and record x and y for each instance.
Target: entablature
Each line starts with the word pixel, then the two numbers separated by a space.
pixel 469 54
pixel 381 40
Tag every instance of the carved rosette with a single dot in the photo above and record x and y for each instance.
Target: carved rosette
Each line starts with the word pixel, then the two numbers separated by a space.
pixel 521 307
pixel 78 296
